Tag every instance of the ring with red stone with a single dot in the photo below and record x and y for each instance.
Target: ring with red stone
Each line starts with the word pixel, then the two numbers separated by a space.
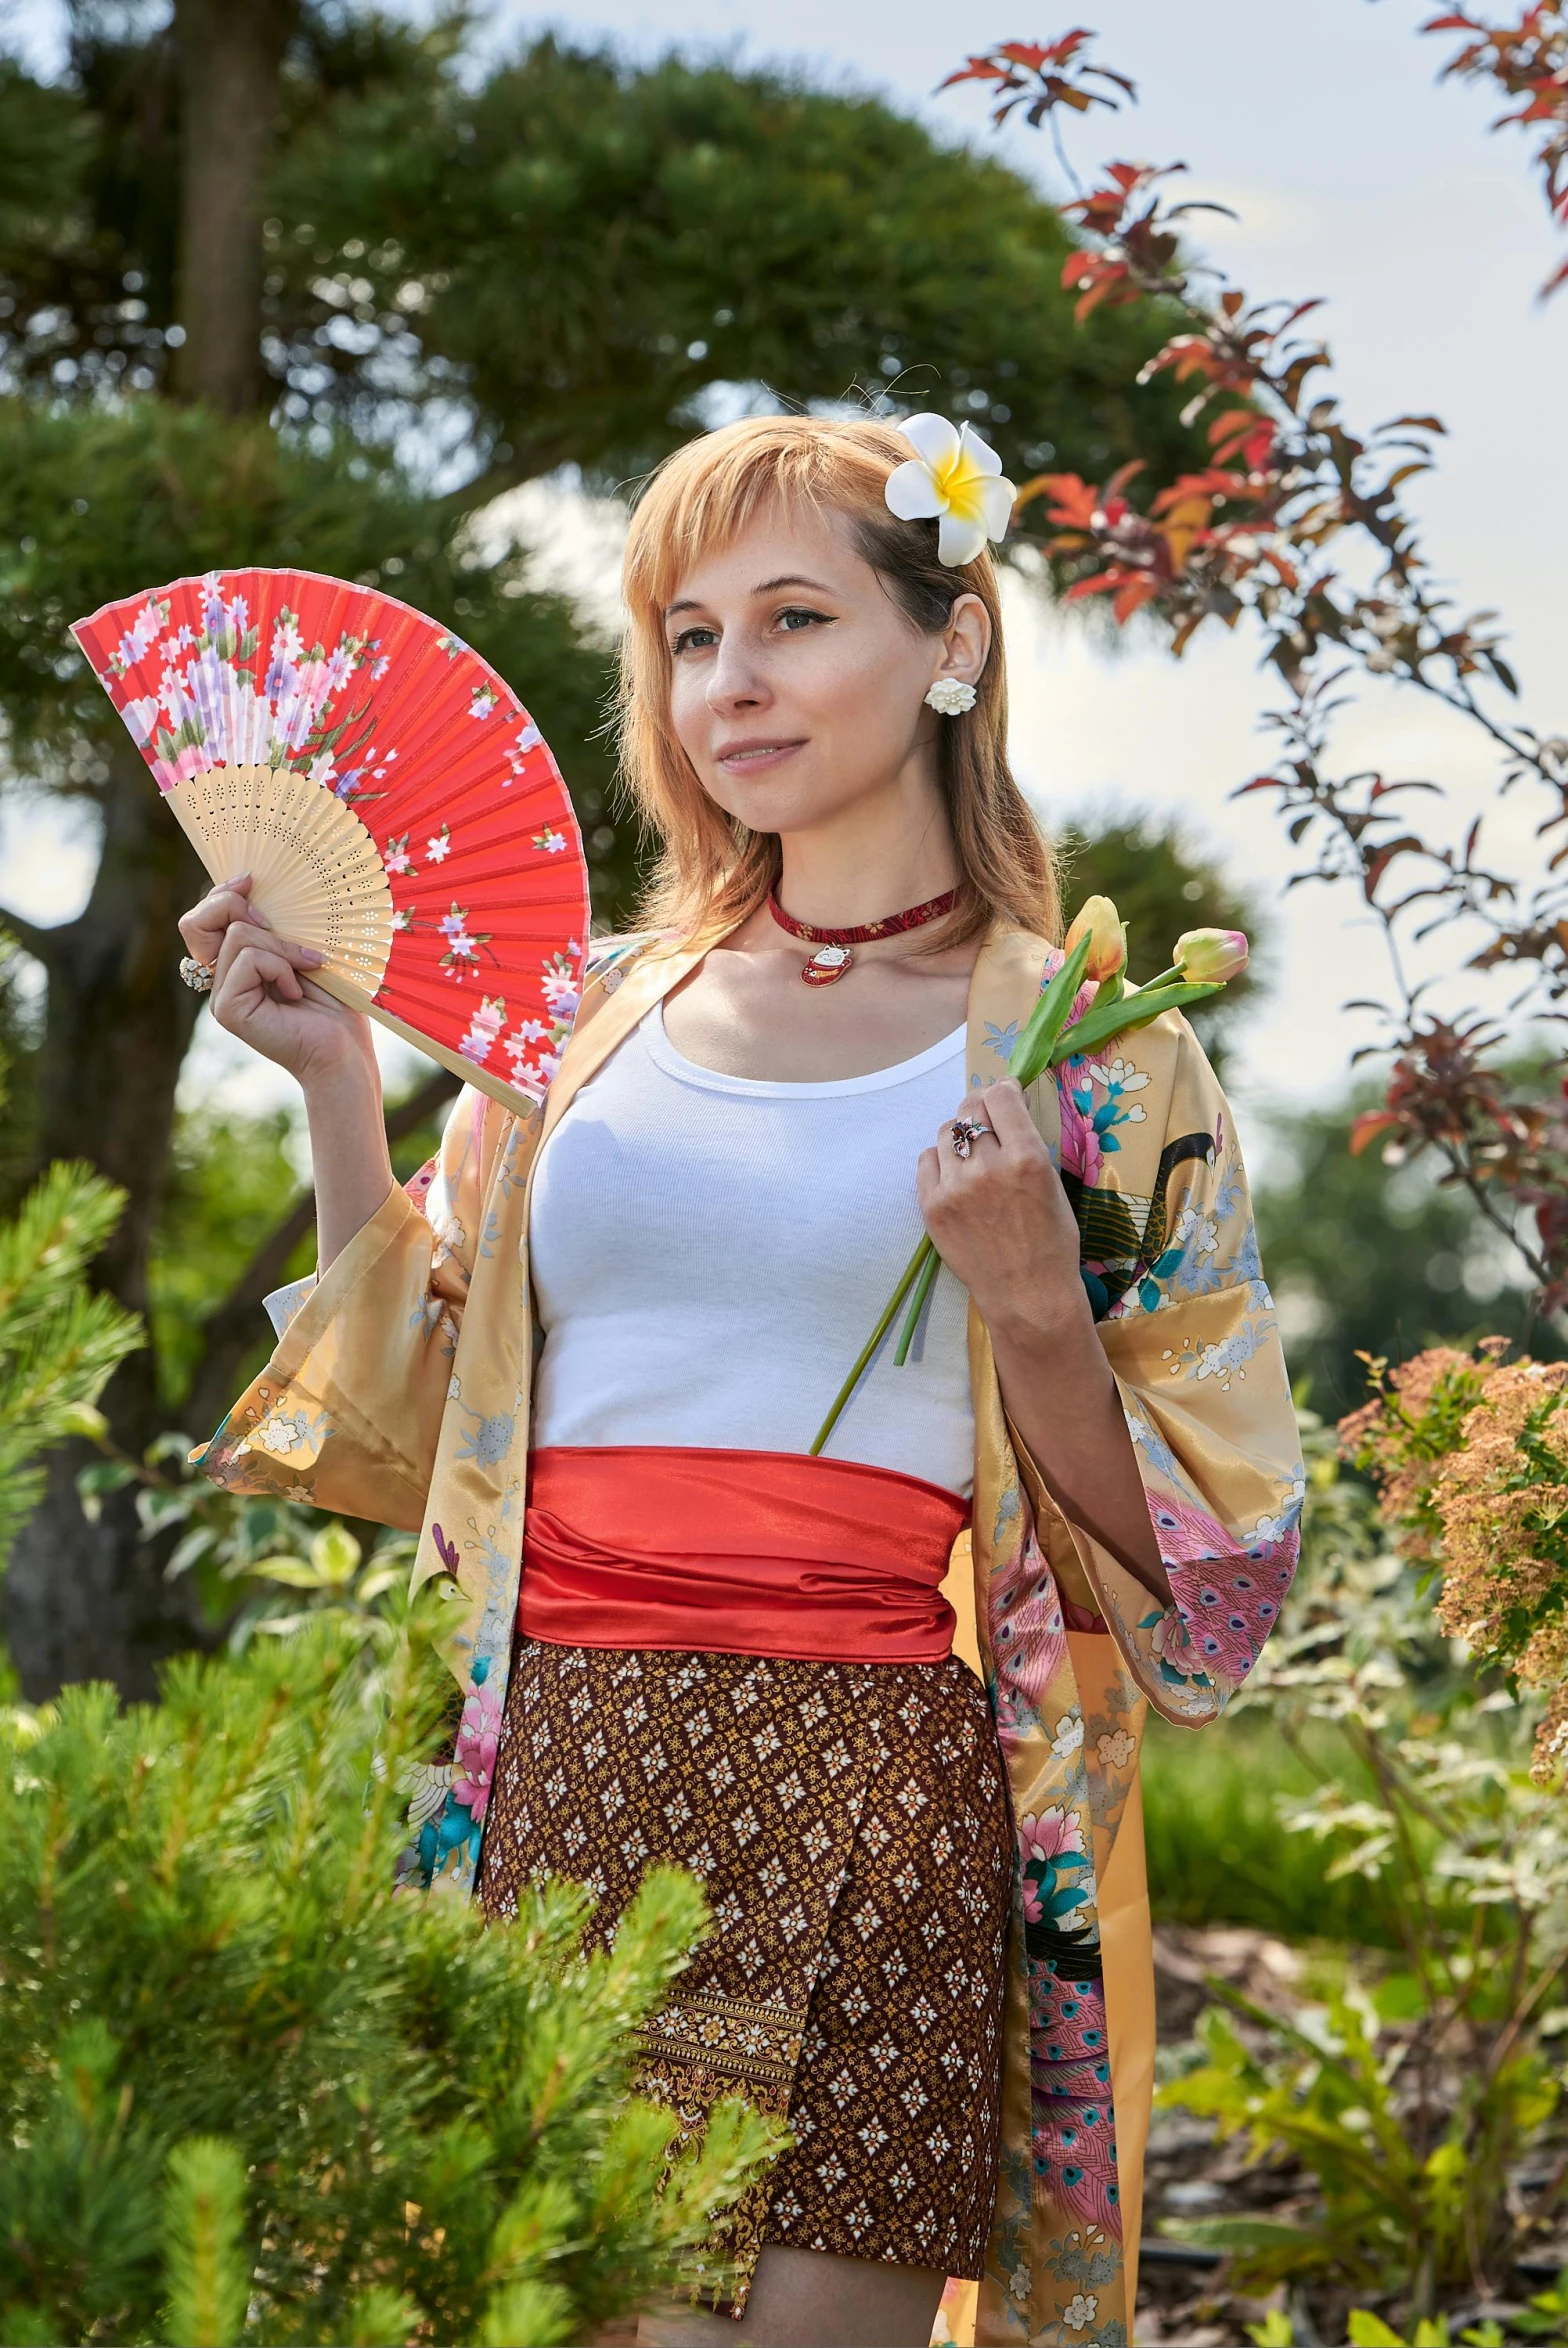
pixel 966 1131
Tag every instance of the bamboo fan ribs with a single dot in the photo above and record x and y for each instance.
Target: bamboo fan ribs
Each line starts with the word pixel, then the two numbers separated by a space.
pixel 391 798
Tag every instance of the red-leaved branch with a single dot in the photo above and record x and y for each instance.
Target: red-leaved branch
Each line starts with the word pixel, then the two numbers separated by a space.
pixel 1528 60
pixel 1288 504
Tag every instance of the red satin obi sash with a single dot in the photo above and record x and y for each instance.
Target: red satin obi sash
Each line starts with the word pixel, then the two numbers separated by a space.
pixel 737 1553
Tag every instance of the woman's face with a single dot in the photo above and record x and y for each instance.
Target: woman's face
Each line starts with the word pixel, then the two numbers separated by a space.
pixel 797 683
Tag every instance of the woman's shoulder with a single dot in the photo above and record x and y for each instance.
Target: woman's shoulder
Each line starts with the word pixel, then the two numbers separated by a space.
pixel 613 949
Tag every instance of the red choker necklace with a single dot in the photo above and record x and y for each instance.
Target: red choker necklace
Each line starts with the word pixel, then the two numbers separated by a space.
pixel 835 947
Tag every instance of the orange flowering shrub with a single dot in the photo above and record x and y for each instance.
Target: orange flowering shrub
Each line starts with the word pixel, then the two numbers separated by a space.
pixel 1469 1454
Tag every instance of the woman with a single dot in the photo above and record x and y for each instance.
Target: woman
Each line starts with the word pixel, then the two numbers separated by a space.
pixel 886 1703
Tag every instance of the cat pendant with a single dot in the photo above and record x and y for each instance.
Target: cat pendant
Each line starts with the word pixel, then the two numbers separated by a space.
pixel 827 965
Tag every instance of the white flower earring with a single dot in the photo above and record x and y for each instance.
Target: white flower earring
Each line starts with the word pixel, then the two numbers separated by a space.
pixel 950 696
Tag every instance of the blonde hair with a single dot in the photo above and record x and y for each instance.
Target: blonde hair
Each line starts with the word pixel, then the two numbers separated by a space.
pixel 712 872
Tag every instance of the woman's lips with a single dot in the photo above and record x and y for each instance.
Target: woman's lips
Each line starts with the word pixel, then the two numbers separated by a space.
pixel 750 758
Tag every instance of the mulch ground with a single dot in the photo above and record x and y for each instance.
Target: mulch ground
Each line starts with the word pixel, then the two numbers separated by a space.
pixel 1184 2300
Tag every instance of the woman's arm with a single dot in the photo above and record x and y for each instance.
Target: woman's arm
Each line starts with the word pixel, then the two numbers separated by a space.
pixel 1002 1224
pixel 260 994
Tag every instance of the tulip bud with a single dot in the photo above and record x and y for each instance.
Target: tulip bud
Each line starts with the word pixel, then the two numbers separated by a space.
pixel 1208 956
pixel 1098 920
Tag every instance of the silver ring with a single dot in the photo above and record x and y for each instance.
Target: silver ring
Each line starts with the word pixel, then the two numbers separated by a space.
pixel 198 976
pixel 966 1131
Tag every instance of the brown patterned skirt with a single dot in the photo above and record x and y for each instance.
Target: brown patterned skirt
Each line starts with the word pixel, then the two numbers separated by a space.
pixel 849 1825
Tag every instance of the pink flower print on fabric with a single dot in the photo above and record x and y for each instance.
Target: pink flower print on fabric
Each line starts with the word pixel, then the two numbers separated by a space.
pixel 473 1759
pixel 1082 1153
pixel 1043 1840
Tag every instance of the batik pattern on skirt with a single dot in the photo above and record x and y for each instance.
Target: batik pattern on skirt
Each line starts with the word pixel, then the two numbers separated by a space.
pixel 849 1824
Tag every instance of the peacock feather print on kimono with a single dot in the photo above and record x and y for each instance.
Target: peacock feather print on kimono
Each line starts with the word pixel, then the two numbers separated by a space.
pixel 1073 2132
pixel 394 803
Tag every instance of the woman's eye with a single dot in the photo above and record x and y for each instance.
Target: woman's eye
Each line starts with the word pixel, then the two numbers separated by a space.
pixel 800 616
pixel 695 639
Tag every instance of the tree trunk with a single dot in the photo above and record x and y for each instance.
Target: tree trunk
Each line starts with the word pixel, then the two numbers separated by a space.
pixel 230 54
pixel 81 1600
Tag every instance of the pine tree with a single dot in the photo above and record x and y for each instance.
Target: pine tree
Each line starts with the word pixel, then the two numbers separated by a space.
pixel 58 1341
pixel 251 2092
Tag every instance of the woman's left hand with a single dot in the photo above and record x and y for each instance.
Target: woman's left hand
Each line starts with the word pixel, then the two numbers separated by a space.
pixel 1001 1222
pixel 999 1218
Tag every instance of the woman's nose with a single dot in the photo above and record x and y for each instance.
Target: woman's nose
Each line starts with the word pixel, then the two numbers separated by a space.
pixel 735 680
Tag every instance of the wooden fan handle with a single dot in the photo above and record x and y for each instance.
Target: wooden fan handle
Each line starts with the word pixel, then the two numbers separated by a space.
pixel 486 1081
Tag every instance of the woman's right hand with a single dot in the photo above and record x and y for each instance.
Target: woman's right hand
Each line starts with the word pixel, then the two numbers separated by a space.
pixel 261 991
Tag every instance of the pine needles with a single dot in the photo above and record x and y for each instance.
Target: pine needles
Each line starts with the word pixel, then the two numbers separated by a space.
pixel 58 1341
pixel 251 2093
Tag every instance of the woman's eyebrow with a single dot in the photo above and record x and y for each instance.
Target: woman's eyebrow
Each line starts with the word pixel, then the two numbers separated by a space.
pixel 764 587
pixel 790 579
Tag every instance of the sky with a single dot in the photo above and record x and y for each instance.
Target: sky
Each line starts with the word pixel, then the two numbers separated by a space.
pixel 1356 178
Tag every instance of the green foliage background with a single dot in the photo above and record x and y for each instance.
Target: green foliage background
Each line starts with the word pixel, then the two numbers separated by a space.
pixel 249 2090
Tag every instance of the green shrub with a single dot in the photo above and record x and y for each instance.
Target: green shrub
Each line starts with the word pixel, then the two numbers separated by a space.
pixel 58 1341
pixel 1411 2085
pixel 252 2093
pixel 1216 1850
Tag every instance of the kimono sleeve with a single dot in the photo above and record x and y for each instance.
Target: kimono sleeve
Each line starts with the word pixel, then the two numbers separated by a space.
pixel 347 1413
pixel 1189 1329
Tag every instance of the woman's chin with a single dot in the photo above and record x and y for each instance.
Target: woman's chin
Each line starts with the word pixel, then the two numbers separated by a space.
pixel 777 806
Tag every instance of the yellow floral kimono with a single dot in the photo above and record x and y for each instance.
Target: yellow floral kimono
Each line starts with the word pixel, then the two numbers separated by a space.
pixel 400 1391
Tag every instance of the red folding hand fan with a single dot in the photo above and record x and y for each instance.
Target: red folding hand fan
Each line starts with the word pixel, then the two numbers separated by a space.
pixel 393 801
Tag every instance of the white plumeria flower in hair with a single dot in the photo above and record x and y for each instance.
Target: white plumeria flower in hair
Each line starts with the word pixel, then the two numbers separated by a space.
pixel 954 479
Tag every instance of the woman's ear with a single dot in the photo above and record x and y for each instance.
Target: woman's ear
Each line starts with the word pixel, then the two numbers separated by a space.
pixel 966 640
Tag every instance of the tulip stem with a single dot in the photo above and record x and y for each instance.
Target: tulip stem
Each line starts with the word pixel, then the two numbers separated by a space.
pixel 1047 1040
pixel 931 1265
pixel 910 1275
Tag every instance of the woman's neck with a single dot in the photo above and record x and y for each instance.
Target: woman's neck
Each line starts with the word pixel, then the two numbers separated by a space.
pixel 876 858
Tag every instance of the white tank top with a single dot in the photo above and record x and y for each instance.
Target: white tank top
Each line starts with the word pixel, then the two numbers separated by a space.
pixel 711 1252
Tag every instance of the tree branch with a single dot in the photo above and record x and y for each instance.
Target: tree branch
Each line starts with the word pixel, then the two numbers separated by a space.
pixel 421 1105
pixel 45 945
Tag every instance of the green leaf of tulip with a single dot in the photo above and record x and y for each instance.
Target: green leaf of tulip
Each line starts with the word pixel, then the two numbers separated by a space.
pixel 1203 960
pixel 1103 1020
pixel 1032 1052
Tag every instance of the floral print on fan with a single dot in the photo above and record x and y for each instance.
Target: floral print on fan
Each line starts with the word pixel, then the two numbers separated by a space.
pixel 346 687
pixel 210 706
pixel 462 944
pixel 533 1067
pixel 534 1047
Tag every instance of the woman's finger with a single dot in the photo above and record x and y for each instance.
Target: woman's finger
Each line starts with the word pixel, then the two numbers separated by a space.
pixel 928 1176
pixel 1004 1109
pixel 258 981
pixel 243 936
pixel 203 927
